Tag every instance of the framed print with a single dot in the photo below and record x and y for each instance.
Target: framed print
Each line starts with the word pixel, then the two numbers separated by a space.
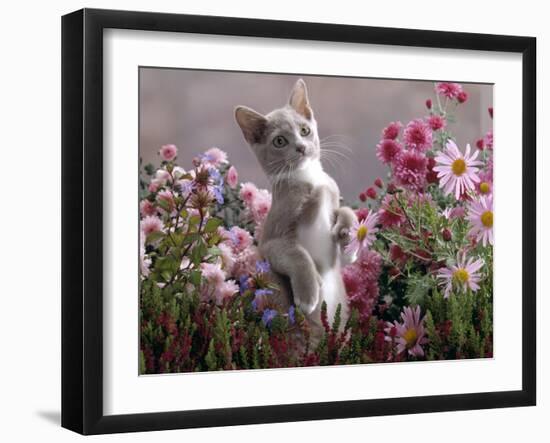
pixel 302 218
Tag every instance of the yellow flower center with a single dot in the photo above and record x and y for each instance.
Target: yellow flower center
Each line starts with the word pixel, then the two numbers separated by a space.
pixel 487 219
pixel 484 187
pixel 362 232
pixel 461 276
pixel 459 166
pixel 410 337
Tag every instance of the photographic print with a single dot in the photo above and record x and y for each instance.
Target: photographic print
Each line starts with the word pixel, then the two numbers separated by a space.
pixel 299 220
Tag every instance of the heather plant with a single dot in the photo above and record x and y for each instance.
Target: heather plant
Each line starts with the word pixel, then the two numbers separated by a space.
pixel 420 289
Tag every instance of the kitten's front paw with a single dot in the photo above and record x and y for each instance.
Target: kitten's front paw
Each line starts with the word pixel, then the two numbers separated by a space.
pixel 306 293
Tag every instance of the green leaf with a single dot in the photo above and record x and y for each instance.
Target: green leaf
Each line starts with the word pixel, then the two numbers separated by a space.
pixel 195 277
pixel 212 224
pixel 154 236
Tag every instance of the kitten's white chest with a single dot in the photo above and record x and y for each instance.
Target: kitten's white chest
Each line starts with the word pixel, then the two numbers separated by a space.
pixel 316 236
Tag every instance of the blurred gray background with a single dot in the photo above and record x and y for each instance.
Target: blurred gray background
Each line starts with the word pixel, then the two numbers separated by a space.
pixel 193 109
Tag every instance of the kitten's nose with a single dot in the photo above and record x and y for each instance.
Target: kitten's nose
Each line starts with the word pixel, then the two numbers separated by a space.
pixel 301 149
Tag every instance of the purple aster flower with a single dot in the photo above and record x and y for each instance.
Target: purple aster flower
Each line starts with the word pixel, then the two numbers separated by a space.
pixel 262 267
pixel 243 283
pixel 268 316
pixel 291 315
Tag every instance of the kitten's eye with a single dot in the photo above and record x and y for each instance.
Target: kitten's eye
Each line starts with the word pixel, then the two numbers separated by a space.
pixel 304 131
pixel 280 141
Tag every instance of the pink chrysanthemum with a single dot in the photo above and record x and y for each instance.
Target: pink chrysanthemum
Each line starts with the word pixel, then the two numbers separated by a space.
pixel 387 150
pixel 454 213
pixel 227 257
pixel 240 238
pixel 418 135
pixel 248 192
pixel 390 213
pixel 458 173
pixel 361 282
pixel 485 185
pixel 163 176
pixel 481 218
pixel 166 201
pixel 147 207
pixel 462 276
pixel 462 96
pixel 436 122
pixel 391 131
pixel 212 273
pixel 214 157
pixel 232 177
pixel 362 233
pixel 245 261
pixel 260 206
pixel 449 90
pixel 410 169
pixel 224 291
pixel 410 335
pixel 151 224
pixel 168 152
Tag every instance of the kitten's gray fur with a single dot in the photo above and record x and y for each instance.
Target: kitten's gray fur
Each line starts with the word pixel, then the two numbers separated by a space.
pixel 306 229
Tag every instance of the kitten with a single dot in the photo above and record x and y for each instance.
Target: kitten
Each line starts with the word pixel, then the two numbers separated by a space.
pixel 306 230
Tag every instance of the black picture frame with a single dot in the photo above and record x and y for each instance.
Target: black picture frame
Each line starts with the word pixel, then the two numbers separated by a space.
pixel 82 217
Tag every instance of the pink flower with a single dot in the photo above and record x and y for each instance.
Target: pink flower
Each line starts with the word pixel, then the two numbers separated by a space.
pixel 240 238
pixel 260 206
pixel 371 193
pixel 362 213
pixel 489 139
pixel 480 144
pixel 151 224
pixel 227 257
pixel 147 207
pixel 166 201
pixel 462 276
pixel 391 131
pixel 409 335
pixel 462 97
pixel 453 213
pixel 248 192
pixel 387 150
pixel 168 152
pixel 418 135
pixel 436 122
pixel 212 273
pixel 361 282
pixel 379 183
pixel 154 185
pixel 245 261
pixel 410 169
pixel 485 185
pixel 449 90
pixel 163 176
pixel 490 110
pixel 390 214
pixel 214 157
pixel 481 217
pixel 458 173
pixel 232 177
pixel 225 290
pixel 363 196
pixel 429 103
pixel 362 233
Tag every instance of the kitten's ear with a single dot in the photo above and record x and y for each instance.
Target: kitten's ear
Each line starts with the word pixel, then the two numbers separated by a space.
pixel 252 123
pixel 299 101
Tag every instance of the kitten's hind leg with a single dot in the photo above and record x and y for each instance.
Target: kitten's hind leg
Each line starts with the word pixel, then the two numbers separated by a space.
pixel 289 258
